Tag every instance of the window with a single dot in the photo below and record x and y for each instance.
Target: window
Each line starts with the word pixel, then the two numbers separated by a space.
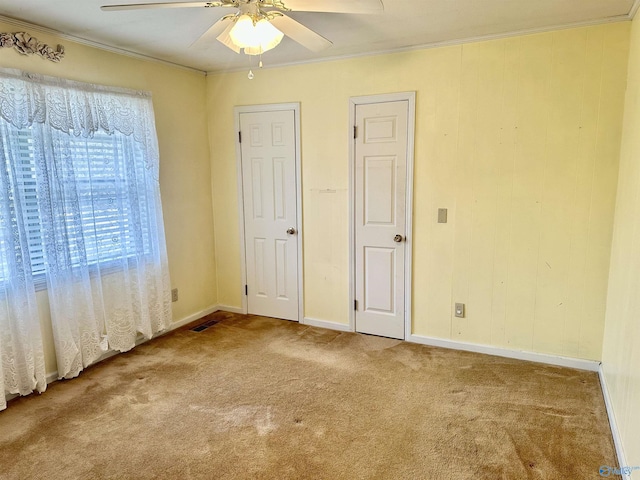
pixel 102 168
pixel 79 197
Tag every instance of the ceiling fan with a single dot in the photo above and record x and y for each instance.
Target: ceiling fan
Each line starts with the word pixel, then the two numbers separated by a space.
pixel 259 25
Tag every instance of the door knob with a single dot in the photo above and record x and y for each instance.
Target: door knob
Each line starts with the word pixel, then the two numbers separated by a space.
pixel 398 238
pixel 291 231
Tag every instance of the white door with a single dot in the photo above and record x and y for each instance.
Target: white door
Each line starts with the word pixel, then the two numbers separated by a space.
pixel 380 155
pixel 268 155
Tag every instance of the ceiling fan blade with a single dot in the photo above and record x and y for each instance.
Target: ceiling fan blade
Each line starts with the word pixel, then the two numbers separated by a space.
pixel 335 6
pixel 225 38
pixel 212 32
pixel 139 6
pixel 301 34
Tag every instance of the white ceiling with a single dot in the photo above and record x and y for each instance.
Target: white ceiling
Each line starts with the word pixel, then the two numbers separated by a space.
pixel 167 34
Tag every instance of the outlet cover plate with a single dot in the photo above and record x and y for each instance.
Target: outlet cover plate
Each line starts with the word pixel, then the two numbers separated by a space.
pixel 459 310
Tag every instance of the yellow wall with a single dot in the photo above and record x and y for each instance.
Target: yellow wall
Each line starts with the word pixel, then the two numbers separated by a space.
pixel 185 169
pixel 621 351
pixel 518 138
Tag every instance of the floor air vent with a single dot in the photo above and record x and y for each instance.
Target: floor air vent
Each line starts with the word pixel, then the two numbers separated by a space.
pixel 204 326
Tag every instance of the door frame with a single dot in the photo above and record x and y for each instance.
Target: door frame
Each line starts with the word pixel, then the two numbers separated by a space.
pixel 410 97
pixel 275 107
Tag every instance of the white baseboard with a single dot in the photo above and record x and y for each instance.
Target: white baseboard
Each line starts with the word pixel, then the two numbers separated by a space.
pixel 230 309
pixel 617 440
pixel 342 327
pixel 580 364
pixel 193 317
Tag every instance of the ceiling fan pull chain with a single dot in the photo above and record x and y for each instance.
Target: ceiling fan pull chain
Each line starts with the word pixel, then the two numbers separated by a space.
pixel 250 75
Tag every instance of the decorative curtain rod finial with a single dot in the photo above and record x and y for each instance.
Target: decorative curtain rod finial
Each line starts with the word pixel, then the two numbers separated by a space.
pixel 25 44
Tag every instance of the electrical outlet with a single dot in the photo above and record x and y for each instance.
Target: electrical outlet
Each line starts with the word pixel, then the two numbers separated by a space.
pixel 174 295
pixel 459 310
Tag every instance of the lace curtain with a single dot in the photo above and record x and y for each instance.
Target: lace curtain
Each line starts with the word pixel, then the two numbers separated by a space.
pixel 95 161
pixel 21 356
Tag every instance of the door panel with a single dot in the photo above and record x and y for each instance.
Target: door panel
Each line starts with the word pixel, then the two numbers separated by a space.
pixel 379 190
pixel 257 184
pixel 380 129
pixel 269 192
pixel 280 188
pixel 259 271
pixel 281 269
pixel 379 277
pixel 381 175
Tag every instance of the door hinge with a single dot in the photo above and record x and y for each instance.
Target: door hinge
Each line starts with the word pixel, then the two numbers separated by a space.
pixel 246 289
pixel 355 305
pixel 239 137
pixel 355 132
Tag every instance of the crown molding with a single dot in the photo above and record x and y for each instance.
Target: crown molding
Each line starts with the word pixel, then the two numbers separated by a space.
pixel 93 44
pixel 447 43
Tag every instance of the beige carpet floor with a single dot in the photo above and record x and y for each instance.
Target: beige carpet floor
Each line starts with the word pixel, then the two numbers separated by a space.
pixel 259 398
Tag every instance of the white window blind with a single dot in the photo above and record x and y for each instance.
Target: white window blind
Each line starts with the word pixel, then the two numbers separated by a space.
pixel 103 168
pixel 28 197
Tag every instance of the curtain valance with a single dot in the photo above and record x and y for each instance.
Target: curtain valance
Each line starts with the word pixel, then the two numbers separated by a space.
pixel 78 108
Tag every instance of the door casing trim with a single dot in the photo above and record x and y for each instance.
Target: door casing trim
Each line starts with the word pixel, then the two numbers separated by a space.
pixel 409 97
pixel 276 107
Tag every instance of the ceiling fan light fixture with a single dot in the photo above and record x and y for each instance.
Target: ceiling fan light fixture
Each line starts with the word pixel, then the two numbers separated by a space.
pixel 255 37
